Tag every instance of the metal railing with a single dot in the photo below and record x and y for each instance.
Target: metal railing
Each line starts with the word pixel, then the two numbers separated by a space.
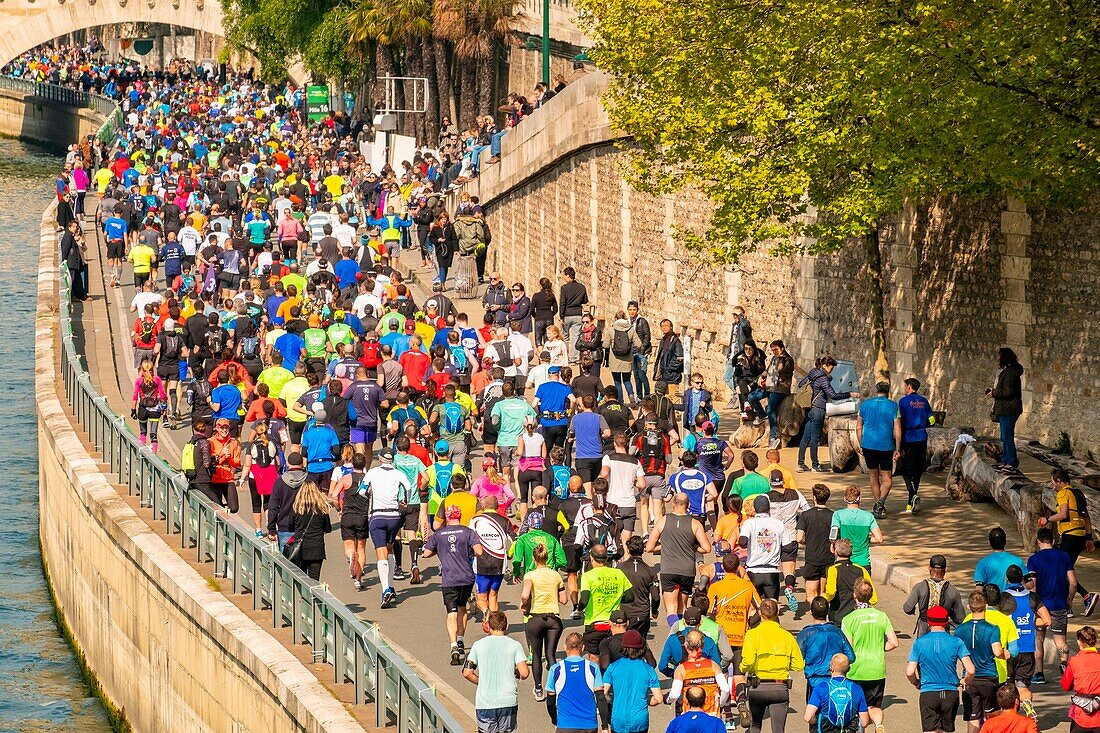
pixel 61 95
pixel 355 650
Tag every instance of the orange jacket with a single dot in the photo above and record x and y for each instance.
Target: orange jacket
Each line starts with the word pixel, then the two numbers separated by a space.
pixel 227 456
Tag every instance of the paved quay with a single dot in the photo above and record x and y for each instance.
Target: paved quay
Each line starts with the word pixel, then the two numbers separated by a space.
pixel 416 626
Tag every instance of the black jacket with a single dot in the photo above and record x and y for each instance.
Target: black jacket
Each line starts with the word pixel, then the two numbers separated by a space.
pixel 544 306
pixel 281 502
pixel 70 252
pixel 446 243
pixel 311 530
pixel 645 335
pixel 573 298
pixel 1008 392
pixel 669 366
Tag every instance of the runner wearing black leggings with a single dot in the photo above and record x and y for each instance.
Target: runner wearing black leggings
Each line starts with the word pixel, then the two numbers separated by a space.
pixel 543 594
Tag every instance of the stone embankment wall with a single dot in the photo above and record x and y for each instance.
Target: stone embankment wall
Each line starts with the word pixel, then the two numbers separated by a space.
pixel 32 118
pixel 963 279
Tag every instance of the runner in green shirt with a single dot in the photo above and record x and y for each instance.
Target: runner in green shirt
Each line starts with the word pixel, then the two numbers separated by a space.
pixel 857 525
pixel 871 635
pixel 603 590
pixel 316 341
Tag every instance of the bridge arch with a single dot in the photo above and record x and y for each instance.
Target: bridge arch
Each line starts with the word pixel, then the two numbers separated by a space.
pixel 25 24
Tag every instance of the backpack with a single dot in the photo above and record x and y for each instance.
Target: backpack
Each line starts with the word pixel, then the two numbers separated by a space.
pixel 1082 509
pixel 443 473
pixel 504 353
pixel 187 459
pixel 372 356
pixel 451 424
pixel 936 591
pixel 148 325
pixel 460 361
pixel 561 481
pixel 215 341
pixel 171 350
pixel 839 713
pixel 407 308
pixel 620 344
pixel 250 345
pixel 651 451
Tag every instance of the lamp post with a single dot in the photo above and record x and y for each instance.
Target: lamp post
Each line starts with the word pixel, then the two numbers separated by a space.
pixel 546 43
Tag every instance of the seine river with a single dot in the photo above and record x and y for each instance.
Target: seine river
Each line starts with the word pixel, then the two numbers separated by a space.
pixel 40 684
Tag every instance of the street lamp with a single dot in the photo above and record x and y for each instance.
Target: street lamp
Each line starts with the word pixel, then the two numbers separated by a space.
pixel 546 43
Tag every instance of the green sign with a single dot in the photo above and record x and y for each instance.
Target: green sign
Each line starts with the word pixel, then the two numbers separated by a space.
pixel 317 102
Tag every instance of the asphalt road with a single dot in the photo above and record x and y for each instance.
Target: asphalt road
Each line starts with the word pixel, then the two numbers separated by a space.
pixel 417 624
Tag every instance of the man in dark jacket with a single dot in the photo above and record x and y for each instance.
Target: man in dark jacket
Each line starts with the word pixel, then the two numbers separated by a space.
pixel 641 354
pixel 281 502
pixel 669 367
pixel 73 258
pixel 204 461
pixel 571 303
pixel 497 299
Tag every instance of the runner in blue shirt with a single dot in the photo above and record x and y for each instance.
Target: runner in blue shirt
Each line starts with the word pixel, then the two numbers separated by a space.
pixel 695 484
pixel 553 399
pixel 878 430
pixel 694 719
pixel 933 669
pixel 574 691
pixel 634 686
pixel 916 416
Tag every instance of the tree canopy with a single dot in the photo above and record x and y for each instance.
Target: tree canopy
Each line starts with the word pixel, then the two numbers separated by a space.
pixel 781 108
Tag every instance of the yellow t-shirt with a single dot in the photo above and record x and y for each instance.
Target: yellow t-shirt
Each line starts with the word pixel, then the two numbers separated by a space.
pixel 103 178
pixel 545 584
pixel 1074 524
pixel 334 184
pixel 141 257
pixel 291 391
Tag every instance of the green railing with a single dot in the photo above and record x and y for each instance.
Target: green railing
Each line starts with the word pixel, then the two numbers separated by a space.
pixel 355 650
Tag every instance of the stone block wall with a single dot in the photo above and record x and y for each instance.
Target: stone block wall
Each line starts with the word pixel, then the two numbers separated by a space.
pixel 962 279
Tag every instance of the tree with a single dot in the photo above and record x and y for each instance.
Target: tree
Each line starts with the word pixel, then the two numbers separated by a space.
pixel 808 124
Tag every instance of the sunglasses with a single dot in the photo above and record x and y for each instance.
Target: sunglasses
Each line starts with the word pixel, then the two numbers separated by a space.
pixel 517 290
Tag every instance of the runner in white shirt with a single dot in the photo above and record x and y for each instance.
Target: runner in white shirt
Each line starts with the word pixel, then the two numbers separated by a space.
pixel 764 537
pixel 388 488
pixel 625 478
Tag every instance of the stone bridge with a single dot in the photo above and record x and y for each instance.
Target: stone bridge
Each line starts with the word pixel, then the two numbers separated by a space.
pixel 25 24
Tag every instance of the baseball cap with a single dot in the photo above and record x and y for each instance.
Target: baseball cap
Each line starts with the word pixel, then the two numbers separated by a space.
pixel 777 478
pixel 937 616
pixel 410 327
pixel 938 561
pixel 632 640
pixel 454 512
pixel 534 520
pixel 618 616
pixel 761 504
pixel 554 370
pixel 693 616
pixel 442 446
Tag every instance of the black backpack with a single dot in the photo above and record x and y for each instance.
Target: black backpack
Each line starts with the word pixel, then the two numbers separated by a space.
pixel 620 344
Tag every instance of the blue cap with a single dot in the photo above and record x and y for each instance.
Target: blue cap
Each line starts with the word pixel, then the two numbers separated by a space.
pixel 554 370
pixel 442 446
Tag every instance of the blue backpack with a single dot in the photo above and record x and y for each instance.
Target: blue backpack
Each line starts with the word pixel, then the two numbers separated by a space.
pixel 561 481
pixel 452 419
pixel 839 714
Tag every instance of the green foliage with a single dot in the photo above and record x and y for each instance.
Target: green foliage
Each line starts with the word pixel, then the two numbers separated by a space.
pixel 1063 445
pixel 782 110
pixel 278 32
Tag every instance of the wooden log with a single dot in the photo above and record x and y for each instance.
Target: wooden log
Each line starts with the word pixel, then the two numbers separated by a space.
pixel 843 447
pixel 941 443
pixel 1084 473
pixel 749 435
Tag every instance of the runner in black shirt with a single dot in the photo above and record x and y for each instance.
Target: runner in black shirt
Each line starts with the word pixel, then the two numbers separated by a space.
pixel 642 608
pixel 812 530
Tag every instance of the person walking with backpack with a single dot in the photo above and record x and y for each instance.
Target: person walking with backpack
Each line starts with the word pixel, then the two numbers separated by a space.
pixel 837 705
pixel 148 404
pixel 934 591
pixel 640 361
pixel 621 342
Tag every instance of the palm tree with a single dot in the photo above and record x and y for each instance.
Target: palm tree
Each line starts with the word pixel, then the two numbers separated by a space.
pixel 477 30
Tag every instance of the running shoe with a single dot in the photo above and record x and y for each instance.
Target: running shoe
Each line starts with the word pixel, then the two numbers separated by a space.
pixel 358 584
pixel 456 656
pixel 400 574
pixel 743 712
pixel 803 468
pixel 540 694
pixel 1038 679
pixel 1028 709
pixel 1090 603
pixel 389 598
pixel 259 533
pixel 416 580
pixel 915 506
pixel 792 602
pixel 577 614
pixel 818 468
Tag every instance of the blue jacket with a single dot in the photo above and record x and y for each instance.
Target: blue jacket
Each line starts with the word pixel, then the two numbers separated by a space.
pixel 673 653
pixel 915 416
pixel 819 642
pixel 822 385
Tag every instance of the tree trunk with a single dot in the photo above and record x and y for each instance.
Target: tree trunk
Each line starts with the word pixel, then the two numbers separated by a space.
pixel 432 116
pixel 467 94
pixel 484 70
pixel 444 72
pixel 877 296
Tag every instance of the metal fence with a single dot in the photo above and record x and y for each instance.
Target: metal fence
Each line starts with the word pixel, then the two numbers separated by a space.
pixel 355 650
pixel 61 95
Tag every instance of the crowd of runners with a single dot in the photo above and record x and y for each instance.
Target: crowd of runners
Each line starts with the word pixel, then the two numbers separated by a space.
pixel 274 324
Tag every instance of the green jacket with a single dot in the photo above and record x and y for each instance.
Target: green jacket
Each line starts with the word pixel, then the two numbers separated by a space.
pixel 523 548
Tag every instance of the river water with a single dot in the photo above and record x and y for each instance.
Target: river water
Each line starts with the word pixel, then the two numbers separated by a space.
pixel 41 688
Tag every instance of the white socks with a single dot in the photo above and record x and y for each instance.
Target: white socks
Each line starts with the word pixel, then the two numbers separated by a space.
pixel 384 574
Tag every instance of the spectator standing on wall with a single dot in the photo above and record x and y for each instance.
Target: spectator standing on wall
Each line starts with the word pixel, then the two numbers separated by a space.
pixel 571 302
pixel 1008 405
pixel 669 365
pixel 640 365
pixel 740 334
